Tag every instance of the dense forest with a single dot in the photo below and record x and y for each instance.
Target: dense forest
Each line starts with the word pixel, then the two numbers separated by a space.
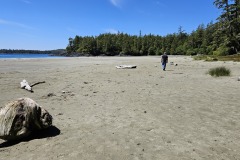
pixel 219 38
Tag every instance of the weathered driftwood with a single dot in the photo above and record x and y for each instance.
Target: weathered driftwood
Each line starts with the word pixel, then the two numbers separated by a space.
pixel 126 66
pixel 34 84
pixel 19 118
pixel 172 63
pixel 24 85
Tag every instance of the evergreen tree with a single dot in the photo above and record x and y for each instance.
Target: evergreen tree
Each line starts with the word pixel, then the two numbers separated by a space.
pixel 220 38
pixel 229 22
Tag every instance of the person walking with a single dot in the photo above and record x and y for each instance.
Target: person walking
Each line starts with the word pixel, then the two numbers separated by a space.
pixel 164 61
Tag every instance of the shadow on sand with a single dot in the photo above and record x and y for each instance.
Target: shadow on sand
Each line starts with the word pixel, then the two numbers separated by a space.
pixel 46 133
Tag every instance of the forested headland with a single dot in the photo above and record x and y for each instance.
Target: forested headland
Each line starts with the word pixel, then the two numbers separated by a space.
pixel 219 38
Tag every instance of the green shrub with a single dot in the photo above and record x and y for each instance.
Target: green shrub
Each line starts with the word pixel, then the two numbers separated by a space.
pixel 210 59
pixel 219 71
pixel 191 52
pixel 205 58
pixel 221 51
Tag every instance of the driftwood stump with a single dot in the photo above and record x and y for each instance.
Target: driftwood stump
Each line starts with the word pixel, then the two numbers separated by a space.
pixel 19 118
pixel 126 66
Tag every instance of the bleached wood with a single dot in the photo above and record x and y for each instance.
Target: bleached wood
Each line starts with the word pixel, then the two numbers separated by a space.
pixel 126 66
pixel 25 85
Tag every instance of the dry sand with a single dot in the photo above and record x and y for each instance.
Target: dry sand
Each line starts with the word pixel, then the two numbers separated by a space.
pixel 104 113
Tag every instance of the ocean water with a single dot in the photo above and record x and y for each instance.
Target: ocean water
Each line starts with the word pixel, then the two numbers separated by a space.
pixel 26 55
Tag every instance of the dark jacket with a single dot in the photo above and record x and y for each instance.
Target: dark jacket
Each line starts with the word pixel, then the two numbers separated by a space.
pixel 164 58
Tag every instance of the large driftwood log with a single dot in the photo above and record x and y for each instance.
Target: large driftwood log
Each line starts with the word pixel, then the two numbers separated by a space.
pixel 19 118
pixel 126 66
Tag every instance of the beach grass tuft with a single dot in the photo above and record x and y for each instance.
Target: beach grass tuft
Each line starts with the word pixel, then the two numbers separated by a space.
pixel 219 71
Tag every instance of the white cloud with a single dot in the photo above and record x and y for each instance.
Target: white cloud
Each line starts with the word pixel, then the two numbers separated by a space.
pixel 26 1
pixel 116 3
pixel 3 21
pixel 111 30
pixel 16 24
pixel 161 4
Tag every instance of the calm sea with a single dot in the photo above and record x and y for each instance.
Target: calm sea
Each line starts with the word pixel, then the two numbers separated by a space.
pixel 27 56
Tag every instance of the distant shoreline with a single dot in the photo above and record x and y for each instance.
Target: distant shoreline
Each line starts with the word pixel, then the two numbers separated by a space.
pixel 57 52
pixel 27 55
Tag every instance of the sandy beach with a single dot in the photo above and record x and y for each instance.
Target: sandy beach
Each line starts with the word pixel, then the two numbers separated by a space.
pixel 103 113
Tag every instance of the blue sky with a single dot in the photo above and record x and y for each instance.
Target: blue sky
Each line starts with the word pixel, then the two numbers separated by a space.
pixel 47 24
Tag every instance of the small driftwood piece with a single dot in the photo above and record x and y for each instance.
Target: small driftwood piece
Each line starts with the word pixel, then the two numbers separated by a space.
pixel 22 116
pixel 24 85
pixel 34 84
pixel 126 66
pixel 172 63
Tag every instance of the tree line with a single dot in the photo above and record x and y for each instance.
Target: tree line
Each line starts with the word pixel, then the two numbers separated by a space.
pixel 57 52
pixel 23 51
pixel 219 38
